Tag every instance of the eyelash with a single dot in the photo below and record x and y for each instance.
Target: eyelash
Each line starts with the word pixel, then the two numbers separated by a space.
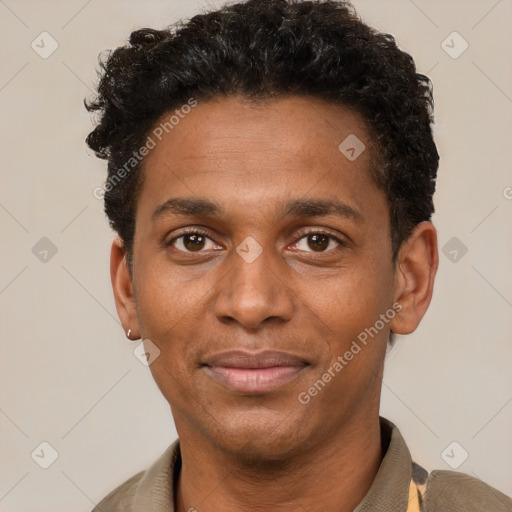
pixel 198 231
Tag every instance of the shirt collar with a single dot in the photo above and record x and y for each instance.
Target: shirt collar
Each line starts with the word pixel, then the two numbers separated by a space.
pixel 390 488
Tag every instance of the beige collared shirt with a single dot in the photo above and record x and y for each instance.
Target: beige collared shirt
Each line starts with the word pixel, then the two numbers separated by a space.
pixel 399 486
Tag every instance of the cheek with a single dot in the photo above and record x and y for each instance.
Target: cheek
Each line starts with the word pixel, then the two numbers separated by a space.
pixel 163 309
pixel 347 312
pixel 353 300
pixel 165 299
pixel 173 308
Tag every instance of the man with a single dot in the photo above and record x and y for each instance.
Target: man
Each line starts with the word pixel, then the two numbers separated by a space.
pixel 271 172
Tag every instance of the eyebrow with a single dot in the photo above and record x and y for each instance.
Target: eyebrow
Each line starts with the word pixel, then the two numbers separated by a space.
pixel 297 208
pixel 320 207
pixel 188 206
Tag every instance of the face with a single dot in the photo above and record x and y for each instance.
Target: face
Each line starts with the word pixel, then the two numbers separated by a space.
pixel 261 253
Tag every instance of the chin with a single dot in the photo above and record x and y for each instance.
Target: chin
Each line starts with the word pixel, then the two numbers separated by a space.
pixel 265 453
pixel 255 442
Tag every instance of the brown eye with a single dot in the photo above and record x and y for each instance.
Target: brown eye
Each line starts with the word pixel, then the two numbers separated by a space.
pixel 193 242
pixel 317 242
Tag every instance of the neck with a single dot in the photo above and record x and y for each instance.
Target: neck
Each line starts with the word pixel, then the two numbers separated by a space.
pixel 336 473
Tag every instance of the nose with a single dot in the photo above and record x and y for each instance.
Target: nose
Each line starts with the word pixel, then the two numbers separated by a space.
pixel 253 292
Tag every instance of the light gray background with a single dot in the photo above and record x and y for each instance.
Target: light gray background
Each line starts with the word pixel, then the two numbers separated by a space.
pixel 68 374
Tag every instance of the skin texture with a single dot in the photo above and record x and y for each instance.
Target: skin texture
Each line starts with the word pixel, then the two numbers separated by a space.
pixel 268 451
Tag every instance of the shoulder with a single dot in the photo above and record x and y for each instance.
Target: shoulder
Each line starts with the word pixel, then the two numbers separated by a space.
pixel 150 489
pixel 450 491
pixel 121 497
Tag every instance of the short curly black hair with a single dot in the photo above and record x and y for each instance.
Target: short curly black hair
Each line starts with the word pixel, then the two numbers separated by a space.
pixel 261 49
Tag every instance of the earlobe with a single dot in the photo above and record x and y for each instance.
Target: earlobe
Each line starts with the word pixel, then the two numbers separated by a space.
pixel 416 269
pixel 122 287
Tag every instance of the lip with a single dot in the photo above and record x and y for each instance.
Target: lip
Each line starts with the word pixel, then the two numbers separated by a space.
pixel 252 373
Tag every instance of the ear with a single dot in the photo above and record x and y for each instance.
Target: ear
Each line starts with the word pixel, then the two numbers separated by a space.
pixel 123 289
pixel 415 271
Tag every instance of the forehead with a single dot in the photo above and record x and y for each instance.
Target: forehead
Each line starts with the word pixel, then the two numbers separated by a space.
pixel 303 125
pixel 255 154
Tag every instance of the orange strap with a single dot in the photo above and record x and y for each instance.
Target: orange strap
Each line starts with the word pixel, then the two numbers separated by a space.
pixel 415 492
